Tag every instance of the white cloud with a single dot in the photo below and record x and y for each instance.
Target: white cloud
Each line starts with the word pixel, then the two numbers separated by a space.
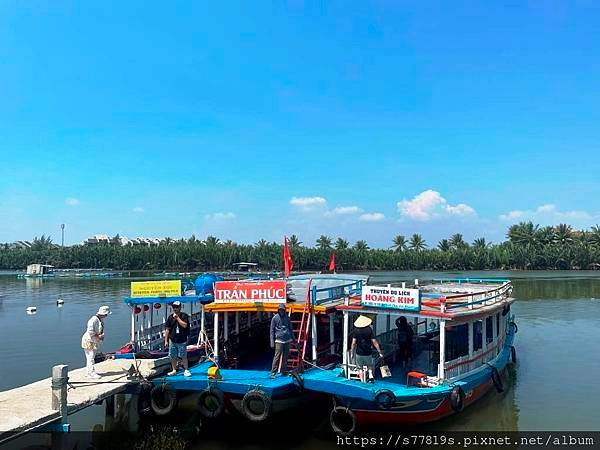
pixel 371 217
pixel 342 210
pixel 220 216
pixel 430 205
pixel 72 201
pixel 512 215
pixel 547 213
pixel 307 201
pixel 138 209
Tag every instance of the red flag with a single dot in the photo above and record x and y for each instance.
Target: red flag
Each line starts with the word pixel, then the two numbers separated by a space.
pixel 332 262
pixel 288 263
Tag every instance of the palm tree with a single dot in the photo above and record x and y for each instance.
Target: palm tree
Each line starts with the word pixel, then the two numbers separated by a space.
pixel 457 241
pixel 361 246
pixel 192 239
pixel 41 243
pixel 480 243
pixel 212 241
pixel 399 243
pixel 167 241
pixel 444 245
pixel 294 241
pixel 545 235
pixel 594 238
pixel 417 242
pixel 341 244
pixel 523 233
pixel 324 242
pixel 262 243
pixel 563 234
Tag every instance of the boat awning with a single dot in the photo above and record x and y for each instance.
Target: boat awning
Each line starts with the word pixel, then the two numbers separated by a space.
pixel 204 299
pixel 266 307
pixel 359 309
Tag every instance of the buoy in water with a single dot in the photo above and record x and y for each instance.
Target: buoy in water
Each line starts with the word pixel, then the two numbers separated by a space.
pixel 31 310
pixel 60 302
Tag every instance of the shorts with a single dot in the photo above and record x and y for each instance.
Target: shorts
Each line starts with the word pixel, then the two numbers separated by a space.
pixel 364 360
pixel 177 350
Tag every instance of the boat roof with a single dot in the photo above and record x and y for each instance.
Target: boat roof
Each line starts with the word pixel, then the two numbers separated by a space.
pixel 461 298
pixel 328 291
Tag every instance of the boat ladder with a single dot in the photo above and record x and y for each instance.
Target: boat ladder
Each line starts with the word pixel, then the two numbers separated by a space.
pixel 300 330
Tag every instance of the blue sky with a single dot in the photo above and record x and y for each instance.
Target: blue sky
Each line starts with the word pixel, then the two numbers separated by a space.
pixel 252 120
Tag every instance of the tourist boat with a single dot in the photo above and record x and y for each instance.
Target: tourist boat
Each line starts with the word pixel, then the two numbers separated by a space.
pixel 235 375
pixel 463 340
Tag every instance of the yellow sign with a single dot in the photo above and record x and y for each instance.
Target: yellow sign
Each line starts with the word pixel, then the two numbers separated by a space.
pixel 164 288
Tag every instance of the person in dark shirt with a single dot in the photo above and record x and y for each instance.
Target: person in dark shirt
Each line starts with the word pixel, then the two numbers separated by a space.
pixel 177 330
pixel 363 341
pixel 405 340
pixel 281 337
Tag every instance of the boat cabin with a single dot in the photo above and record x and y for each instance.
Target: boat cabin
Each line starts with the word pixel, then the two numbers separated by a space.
pixel 242 313
pixel 457 326
pixel 39 269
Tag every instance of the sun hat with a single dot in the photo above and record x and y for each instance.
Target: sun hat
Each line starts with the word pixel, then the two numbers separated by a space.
pixel 362 322
pixel 176 303
pixel 104 311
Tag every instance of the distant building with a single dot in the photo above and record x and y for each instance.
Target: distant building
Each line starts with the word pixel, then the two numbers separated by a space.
pixel 99 239
pixel 19 245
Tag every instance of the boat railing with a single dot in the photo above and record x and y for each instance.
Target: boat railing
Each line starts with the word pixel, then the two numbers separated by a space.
pixel 478 299
pixel 338 292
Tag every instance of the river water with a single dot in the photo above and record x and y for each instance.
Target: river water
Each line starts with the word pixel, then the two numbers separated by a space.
pixel 553 386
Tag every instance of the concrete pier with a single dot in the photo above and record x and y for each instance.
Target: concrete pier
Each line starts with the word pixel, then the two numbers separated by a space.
pixel 30 407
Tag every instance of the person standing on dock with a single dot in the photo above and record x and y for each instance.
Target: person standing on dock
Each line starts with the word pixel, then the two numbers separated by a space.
pixel 177 330
pixel 281 337
pixel 363 341
pixel 91 339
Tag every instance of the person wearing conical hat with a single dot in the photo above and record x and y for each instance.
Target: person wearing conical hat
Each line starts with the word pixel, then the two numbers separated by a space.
pixel 363 342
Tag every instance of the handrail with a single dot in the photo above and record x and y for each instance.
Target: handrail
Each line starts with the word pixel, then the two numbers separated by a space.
pixel 485 299
pixel 505 285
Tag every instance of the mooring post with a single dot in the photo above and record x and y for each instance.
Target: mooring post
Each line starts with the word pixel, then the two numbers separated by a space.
pixel 60 376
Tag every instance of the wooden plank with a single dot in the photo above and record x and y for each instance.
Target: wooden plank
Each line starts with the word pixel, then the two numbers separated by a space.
pixel 27 407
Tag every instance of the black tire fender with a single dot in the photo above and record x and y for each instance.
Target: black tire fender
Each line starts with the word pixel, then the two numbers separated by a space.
pixel 515 327
pixel 163 399
pixel 256 395
pixel 211 403
pixel 385 399
pixel 457 399
pixel 497 380
pixel 337 419
pixel 513 354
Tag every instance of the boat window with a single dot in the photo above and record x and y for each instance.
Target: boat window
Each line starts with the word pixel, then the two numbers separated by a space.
pixel 477 335
pixel 498 324
pixel 489 330
pixel 457 341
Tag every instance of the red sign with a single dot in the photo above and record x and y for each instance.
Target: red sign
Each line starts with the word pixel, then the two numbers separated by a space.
pixel 263 291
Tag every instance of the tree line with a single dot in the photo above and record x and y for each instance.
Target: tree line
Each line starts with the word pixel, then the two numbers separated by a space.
pixel 528 247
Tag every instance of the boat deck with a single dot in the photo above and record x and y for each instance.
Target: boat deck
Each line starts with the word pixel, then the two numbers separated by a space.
pixel 233 381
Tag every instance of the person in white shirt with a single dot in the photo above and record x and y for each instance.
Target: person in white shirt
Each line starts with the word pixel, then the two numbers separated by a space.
pixel 92 338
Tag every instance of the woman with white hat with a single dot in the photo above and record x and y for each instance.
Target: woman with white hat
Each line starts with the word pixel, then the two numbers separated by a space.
pixel 363 341
pixel 91 339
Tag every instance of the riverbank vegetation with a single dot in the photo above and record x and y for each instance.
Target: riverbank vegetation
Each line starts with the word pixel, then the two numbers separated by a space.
pixel 527 247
